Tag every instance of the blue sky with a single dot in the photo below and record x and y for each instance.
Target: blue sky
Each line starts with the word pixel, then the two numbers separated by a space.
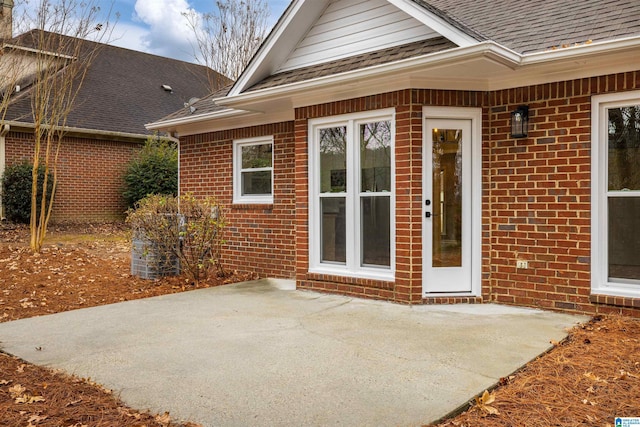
pixel 155 26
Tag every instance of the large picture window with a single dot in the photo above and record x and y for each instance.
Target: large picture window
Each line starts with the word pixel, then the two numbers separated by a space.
pixel 616 195
pixel 253 170
pixel 351 197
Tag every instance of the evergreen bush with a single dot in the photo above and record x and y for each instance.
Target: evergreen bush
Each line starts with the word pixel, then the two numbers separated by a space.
pixel 154 170
pixel 16 191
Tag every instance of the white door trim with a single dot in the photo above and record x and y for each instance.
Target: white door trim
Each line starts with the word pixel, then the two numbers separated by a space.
pixel 475 115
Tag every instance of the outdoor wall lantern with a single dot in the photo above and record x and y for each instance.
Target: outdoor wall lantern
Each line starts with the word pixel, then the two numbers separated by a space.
pixel 520 122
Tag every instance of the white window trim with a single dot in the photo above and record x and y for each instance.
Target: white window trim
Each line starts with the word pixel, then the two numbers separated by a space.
pixel 600 284
pixel 352 267
pixel 238 198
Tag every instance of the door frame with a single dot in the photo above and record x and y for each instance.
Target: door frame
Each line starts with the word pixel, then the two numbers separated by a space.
pixel 475 116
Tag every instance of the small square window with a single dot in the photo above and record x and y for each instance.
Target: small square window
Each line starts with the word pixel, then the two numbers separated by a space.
pixel 253 170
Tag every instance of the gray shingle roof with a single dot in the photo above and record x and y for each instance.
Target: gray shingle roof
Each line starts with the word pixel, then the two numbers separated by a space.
pixel 123 90
pixel 525 27
pixel 357 62
pixel 536 25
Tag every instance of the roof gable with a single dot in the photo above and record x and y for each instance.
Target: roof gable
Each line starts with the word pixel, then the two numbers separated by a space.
pixel 352 27
pixel 312 32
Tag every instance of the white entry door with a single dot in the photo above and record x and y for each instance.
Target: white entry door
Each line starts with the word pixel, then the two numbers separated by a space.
pixel 447 206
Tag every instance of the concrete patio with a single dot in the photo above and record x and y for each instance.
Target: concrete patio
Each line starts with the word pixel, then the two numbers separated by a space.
pixel 262 353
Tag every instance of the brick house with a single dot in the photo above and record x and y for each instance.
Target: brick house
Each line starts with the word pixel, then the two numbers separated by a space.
pixel 377 149
pixel 122 91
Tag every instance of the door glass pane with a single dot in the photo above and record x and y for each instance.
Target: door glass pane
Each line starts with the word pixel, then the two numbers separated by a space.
pixel 447 198
pixel 376 231
pixel 624 148
pixel 624 238
pixel 333 160
pixel 375 156
pixel 334 236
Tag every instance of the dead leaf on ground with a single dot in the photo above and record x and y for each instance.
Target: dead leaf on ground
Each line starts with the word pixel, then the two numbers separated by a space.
pixel 16 390
pixel 593 377
pixel 483 403
pixel 164 418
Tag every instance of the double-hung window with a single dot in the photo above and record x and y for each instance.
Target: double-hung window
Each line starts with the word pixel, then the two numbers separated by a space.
pixel 352 195
pixel 253 170
pixel 615 243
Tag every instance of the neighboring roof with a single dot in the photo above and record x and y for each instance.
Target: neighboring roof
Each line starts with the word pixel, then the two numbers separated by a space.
pixel 537 25
pixel 123 91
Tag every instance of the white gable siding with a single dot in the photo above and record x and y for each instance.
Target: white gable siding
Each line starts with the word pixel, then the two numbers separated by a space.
pixel 351 27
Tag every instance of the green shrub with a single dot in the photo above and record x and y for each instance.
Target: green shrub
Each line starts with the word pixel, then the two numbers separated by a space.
pixel 154 170
pixel 16 191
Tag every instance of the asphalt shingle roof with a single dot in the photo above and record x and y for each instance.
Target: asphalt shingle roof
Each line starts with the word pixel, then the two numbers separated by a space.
pixel 122 90
pixel 525 27
pixel 537 25
pixel 357 62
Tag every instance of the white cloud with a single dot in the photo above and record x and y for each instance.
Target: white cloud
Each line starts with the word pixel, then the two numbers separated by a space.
pixel 167 31
pixel 130 36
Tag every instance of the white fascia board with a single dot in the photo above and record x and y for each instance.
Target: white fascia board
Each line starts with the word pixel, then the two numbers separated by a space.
pixel 435 22
pixel 32 50
pixel 171 123
pixel 15 125
pixel 220 120
pixel 282 39
pixel 489 49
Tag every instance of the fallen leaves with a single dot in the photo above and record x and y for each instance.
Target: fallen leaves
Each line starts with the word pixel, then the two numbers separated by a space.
pixel 483 403
pixel 20 395
pixel 593 377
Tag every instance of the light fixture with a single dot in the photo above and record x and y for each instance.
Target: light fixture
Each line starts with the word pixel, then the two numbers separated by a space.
pixel 520 122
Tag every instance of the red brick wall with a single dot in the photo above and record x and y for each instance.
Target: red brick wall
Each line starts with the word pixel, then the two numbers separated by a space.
pixel 260 238
pixel 540 195
pixel 408 151
pixel 535 201
pixel 90 176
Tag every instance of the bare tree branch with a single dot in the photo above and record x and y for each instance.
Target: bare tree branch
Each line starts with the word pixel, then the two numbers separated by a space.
pixel 228 39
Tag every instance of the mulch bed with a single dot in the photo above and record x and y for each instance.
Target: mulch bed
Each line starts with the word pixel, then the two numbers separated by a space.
pixel 589 379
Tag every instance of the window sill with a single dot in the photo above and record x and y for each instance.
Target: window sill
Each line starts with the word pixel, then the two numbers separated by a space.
pixel 247 206
pixel 381 275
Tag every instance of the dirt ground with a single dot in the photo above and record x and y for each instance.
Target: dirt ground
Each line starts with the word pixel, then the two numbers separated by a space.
pixel 586 380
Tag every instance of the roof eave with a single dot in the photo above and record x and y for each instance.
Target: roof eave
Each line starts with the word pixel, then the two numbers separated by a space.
pixel 181 121
pixel 76 131
pixel 489 50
